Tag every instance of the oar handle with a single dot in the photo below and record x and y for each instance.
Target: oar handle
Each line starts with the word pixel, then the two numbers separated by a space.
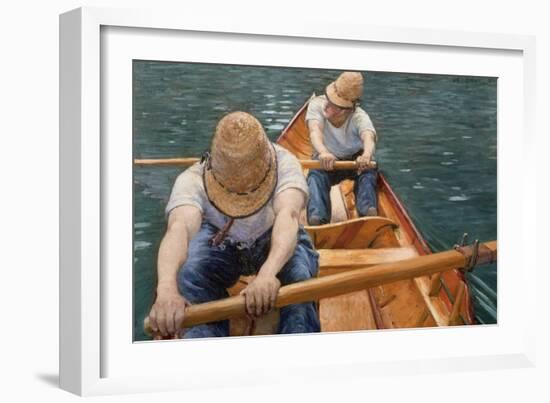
pixel 339 284
pixel 184 162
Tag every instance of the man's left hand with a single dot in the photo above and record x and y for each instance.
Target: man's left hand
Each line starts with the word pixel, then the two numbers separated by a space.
pixel 261 294
pixel 363 162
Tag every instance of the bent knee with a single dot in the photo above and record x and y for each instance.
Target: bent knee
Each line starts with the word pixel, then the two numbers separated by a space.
pixel 193 285
pixel 294 273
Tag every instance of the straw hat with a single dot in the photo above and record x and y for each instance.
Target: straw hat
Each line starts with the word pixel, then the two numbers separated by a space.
pixel 241 173
pixel 346 90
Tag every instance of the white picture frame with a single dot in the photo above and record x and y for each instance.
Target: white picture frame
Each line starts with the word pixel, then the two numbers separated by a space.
pixel 86 169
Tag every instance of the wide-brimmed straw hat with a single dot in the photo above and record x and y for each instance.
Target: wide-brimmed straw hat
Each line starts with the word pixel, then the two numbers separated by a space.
pixel 346 90
pixel 241 172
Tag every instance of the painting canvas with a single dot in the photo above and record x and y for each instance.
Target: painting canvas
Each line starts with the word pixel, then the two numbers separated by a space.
pixel 436 163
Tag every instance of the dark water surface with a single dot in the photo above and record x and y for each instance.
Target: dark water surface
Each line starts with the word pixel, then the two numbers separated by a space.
pixel 437 147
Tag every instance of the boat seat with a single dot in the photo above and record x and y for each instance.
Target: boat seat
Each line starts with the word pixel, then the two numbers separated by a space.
pixel 242 325
pixel 358 233
pixel 332 261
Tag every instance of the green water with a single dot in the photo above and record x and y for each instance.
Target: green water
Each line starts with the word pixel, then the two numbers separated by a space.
pixel 437 147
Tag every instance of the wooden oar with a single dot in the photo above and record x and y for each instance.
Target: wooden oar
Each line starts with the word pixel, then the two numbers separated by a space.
pixel 343 283
pixel 185 162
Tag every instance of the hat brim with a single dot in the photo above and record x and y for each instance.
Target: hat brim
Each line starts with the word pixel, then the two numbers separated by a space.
pixel 237 205
pixel 332 96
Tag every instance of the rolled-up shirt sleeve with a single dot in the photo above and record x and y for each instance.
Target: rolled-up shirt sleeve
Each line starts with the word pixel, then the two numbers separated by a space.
pixel 188 190
pixel 362 122
pixel 289 173
pixel 315 110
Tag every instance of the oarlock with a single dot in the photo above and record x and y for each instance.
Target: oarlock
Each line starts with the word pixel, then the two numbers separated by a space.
pixel 475 254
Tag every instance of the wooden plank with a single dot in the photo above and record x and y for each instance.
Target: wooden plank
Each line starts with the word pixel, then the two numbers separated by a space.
pixel 347 258
pixel 422 318
pixel 295 137
pixel 387 209
pixel 346 312
pixel 353 234
pixel 339 212
pixel 435 285
pixel 454 316
pixel 400 303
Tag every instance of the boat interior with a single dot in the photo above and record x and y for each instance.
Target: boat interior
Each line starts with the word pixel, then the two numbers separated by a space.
pixel 350 242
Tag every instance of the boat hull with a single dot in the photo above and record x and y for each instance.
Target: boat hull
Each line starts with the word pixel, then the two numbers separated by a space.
pixel 419 302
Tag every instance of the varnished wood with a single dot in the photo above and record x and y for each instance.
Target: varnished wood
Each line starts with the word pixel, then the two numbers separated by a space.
pixel 376 312
pixel 412 295
pixel 351 234
pixel 348 258
pixel 435 285
pixel 332 261
pixel 240 325
pixel 399 303
pixel 387 300
pixel 347 312
pixel 337 284
pixel 339 212
pixel 454 317
pixel 295 137
pixel 422 318
pixel 166 162
pixel 186 162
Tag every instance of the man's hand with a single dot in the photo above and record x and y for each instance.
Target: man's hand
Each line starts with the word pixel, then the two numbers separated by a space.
pixel 167 313
pixel 327 161
pixel 261 294
pixel 363 162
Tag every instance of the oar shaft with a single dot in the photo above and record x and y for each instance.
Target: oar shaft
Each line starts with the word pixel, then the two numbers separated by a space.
pixel 338 165
pixel 175 162
pixel 185 162
pixel 337 284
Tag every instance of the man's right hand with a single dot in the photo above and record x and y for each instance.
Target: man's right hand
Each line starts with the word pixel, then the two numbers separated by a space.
pixel 167 313
pixel 327 161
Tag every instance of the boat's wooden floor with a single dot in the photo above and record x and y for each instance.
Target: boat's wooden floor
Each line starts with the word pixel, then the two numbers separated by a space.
pixel 348 312
pixel 359 243
pixel 400 304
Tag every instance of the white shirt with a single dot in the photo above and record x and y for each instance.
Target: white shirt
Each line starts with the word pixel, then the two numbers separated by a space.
pixel 343 141
pixel 189 190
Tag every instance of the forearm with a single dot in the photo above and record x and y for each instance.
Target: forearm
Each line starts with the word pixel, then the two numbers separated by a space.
pixel 369 144
pixel 316 137
pixel 172 255
pixel 283 241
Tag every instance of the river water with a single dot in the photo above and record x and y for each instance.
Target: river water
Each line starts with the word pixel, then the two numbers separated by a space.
pixel 437 147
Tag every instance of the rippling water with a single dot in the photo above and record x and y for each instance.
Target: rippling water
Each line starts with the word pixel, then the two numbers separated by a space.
pixel 437 147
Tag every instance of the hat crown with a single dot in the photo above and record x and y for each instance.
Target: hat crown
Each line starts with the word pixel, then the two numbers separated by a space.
pixel 349 86
pixel 240 152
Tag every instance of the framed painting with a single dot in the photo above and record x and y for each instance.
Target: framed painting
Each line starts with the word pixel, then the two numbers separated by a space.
pixel 143 94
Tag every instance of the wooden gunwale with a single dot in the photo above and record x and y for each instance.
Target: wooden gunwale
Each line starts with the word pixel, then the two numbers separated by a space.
pixel 405 221
pixel 293 120
pixel 422 247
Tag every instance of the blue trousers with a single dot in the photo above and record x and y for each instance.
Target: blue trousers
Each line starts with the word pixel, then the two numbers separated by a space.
pixel 210 270
pixel 319 182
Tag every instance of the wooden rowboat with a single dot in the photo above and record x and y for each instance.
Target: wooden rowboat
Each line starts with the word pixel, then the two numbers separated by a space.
pixel 351 242
pixel 375 272
pixel 348 240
